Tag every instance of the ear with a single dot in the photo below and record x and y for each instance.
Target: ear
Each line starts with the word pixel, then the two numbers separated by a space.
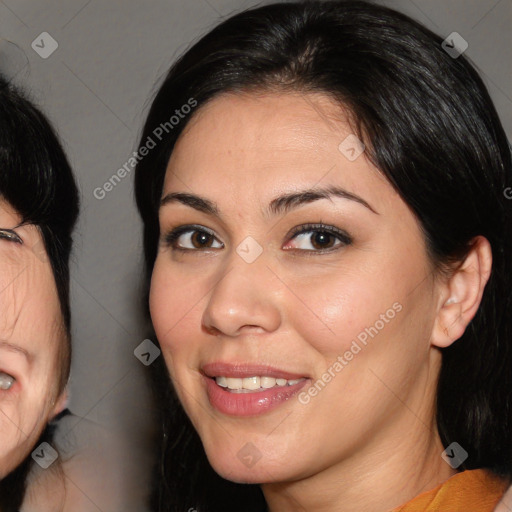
pixel 60 404
pixel 461 294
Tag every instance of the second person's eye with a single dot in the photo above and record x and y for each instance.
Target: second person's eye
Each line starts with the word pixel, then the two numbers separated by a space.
pixel 6 381
pixel 11 235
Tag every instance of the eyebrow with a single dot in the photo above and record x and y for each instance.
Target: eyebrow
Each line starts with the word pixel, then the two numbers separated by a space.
pixel 14 348
pixel 279 205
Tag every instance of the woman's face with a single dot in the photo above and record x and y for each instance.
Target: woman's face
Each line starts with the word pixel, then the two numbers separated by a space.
pixel 295 323
pixel 31 338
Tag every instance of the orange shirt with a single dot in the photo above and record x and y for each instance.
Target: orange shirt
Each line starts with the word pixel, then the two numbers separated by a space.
pixel 477 490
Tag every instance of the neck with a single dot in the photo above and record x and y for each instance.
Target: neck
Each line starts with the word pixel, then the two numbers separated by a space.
pixel 388 472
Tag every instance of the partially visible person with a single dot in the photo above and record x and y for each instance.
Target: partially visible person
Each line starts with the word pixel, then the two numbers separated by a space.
pixel 39 205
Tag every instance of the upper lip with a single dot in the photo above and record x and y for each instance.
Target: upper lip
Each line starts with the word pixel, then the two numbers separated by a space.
pixel 241 370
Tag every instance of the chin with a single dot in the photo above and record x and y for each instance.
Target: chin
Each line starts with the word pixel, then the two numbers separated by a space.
pixel 6 465
pixel 238 475
pixel 248 465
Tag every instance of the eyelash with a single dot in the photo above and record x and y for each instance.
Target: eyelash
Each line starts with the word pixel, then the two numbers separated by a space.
pixel 171 238
pixel 10 235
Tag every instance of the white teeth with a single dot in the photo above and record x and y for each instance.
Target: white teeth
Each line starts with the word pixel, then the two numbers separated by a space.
pixel 253 383
pixel 6 381
pixel 234 383
pixel 222 382
pixel 267 382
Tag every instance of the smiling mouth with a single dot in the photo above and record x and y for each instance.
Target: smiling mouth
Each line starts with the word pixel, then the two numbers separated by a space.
pixel 255 384
pixel 241 389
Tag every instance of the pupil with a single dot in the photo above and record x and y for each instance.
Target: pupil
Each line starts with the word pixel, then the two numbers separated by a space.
pixel 321 238
pixel 200 238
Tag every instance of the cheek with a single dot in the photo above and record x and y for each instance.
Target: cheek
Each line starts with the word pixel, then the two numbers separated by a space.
pixel 34 407
pixel 373 316
pixel 337 308
pixel 10 424
pixel 22 419
pixel 174 303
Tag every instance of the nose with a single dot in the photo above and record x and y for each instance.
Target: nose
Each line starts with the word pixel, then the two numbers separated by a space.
pixel 245 297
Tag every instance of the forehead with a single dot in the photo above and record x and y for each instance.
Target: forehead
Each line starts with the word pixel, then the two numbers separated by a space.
pixel 239 126
pixel 252 146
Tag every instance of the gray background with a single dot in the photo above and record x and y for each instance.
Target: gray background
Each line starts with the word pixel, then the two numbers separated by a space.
pixel 96 88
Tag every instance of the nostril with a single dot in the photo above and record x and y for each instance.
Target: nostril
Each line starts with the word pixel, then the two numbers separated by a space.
pixel 213 331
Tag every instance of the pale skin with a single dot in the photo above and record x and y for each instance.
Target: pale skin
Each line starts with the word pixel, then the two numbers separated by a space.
pixel 368 441
pixel 87 473
pixel 31 334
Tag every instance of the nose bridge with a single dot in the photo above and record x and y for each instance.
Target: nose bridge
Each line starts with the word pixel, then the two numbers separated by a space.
pixel 244 294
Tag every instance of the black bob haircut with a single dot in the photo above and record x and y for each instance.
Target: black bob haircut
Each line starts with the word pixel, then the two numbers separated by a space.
pixel 430 127
pixel 37 182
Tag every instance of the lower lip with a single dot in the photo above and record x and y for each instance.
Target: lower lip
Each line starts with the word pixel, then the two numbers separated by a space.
pixel 249 404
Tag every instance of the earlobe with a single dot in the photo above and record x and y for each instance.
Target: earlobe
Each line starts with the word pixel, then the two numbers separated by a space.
pixel 60 404
pixel 461 294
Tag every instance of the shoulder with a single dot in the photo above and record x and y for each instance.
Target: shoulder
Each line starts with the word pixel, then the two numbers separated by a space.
pixel 476 489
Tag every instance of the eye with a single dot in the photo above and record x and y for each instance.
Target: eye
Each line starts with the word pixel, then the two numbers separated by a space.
pixel 11 235
pixel 318 238
pixel 189 238
pixel 6 381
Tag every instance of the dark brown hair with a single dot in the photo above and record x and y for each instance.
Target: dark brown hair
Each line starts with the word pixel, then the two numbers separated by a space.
pixel 430 127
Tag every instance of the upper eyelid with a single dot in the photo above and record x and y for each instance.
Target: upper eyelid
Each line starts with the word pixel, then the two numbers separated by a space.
pixel 320 226
pixel 10 235
pixel 300 229
pixel 186 228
